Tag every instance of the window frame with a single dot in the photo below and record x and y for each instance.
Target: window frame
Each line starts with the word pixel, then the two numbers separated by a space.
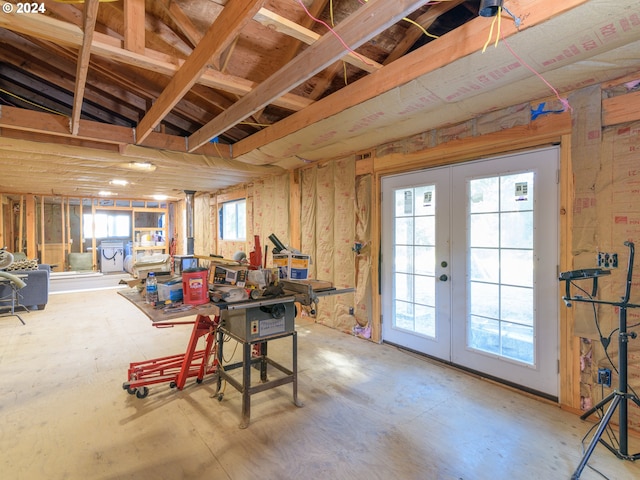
pixel 239 229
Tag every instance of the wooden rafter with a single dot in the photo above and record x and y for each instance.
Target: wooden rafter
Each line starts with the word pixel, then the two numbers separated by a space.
pixel 365 23
pixel 292 29
pixel 220 35
pixel 89 23
pixel 414 33
pixel 63 33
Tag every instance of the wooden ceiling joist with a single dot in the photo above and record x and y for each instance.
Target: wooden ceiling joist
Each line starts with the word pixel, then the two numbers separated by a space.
pixel 62 33
pixel 220 35
pixel 292 29
pixel 365 23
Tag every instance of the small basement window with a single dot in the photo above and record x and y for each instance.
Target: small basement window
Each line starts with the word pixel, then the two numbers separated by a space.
pixel 233 220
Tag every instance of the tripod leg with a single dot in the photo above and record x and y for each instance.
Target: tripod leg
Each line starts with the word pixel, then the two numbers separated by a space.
pixel 597 406
pixel 596 437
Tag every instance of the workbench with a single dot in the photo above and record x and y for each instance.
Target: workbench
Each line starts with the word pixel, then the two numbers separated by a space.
pixel 250 323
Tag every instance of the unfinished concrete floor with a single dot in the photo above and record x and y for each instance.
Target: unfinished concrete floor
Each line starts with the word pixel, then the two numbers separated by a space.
pixel 370 411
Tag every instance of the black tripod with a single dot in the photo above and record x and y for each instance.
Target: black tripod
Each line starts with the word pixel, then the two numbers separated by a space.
pixel 620 397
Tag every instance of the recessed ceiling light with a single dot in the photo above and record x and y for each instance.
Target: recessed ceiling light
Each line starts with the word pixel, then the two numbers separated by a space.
pixel 122 183
pixel 160 197
pixel 105 193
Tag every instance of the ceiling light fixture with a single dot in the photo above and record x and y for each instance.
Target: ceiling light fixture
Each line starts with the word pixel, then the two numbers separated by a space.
pixel 142 166
pixel 160 197
pixel 122 183
pixel 489 8
pixel 105 193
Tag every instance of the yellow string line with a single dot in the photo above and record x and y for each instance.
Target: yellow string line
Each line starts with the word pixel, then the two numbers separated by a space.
pixel 31 103
pixel 499 26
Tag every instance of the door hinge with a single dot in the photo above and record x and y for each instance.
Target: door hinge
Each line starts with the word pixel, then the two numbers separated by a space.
pixel 381 319
pixel 558 366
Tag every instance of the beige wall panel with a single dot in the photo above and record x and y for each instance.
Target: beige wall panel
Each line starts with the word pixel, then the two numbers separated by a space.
pixel 270 213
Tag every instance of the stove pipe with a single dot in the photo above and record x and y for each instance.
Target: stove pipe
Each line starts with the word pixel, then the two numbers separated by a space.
pixel 190 211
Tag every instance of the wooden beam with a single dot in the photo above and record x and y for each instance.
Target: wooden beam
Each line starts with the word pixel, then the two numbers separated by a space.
pixel 30 218
pixel 63 33
pixel 183 22
pixel 439 53
pixel 134 31
pixel 365 23
pixel 414 33
pixel 220 35
pixel 56 128
pixel 545 130
pixel 90 14
pixel 282 25
pixel 621 109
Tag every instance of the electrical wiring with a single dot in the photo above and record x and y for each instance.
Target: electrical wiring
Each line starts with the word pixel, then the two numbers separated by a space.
pixel 499 33
pixel 563 101
pixel 31 103
pixel 362 2
pixel 344 44
pixel 603 340
pixel 497 17
pixel 424 30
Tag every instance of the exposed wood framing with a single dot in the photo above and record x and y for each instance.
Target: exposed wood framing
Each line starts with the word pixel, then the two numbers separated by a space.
pixel 295 199
pixel 43 250
pixel 569 343
pixel 621 109
pixel 62 33
pixel 30 219
pixel 365 23
pixel 134 32
pixel 82 68
pixel 282 25
pixel 220 35
pixel 414 33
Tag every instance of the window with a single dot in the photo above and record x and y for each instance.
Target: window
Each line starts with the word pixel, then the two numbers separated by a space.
pixel 107 225
pixel 233 220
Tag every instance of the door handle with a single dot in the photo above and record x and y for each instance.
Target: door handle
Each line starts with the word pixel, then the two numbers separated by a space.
pixel 443 278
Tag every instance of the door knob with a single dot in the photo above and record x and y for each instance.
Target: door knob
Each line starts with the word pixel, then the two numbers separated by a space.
pixel 443 278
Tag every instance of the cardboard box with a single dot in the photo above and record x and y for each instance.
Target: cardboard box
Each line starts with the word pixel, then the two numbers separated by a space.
pixel 292 266
pixel 228 275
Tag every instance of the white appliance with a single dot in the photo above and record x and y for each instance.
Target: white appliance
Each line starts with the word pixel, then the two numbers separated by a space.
pixel 111 256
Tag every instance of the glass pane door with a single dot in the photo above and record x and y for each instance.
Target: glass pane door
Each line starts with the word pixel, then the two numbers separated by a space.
pixel 469 256
pixel 501 307
pixel 416 240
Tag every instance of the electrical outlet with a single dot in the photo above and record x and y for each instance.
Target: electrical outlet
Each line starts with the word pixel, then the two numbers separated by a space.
pixel 351 312
pixel 604 377
pixel 607 260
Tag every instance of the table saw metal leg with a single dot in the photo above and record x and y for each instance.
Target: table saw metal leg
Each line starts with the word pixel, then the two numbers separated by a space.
pixel 246 385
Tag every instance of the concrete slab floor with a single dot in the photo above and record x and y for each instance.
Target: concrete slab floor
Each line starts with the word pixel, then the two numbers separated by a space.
pixel 370 411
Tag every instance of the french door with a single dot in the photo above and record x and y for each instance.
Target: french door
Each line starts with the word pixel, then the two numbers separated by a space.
pixel 469 276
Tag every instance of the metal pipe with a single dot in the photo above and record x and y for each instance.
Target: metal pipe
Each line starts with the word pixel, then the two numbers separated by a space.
pixel 190 214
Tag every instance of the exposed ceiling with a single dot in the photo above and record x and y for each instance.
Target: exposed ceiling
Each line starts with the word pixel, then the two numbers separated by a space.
pixel 215 93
